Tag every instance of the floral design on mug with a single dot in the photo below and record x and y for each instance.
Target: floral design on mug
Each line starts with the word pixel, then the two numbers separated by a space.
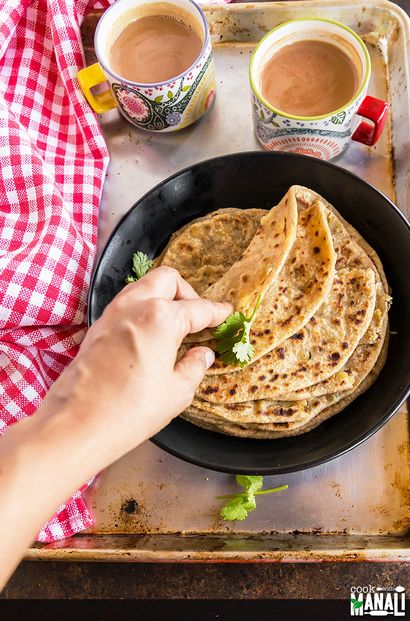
pixel 160 110
pixel 173 118
pixel 210 98
pixel 134 104
pixel 323 148
pixel 306 151
pixel 262 132
pixel 295 131
pixel 338 119
pixel 264 114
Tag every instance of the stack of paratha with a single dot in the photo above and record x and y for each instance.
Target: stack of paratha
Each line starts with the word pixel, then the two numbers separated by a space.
pixel 320 333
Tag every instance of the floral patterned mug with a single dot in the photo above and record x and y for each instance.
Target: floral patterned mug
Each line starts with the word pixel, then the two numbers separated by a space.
pixel 328 135
pixel 163 106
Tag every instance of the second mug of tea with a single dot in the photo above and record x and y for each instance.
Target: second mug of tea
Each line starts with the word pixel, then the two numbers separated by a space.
pixel 309 80
pixel 157 60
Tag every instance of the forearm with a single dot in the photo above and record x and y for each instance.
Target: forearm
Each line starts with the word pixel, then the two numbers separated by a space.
pixel 43 460
pixel 39 468
pixel 122 388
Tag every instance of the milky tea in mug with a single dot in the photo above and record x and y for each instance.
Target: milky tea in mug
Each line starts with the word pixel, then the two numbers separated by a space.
pixel 157 59
pixel 155 48
pixel 309 79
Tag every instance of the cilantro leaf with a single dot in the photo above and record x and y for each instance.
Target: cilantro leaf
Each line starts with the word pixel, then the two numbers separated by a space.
pixel 228 333
pixel 243 351
pixel 141 264
pixel 238 508
pixel 233 338
pixel 230 326
pixel 227 356
pixel 241 504
pixel 250 483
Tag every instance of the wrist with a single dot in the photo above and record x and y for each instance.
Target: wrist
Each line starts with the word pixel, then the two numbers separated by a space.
pixel 85 439
pixel 36 477
pixel 43 463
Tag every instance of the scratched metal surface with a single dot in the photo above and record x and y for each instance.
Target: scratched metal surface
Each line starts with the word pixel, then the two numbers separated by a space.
pixel 364 492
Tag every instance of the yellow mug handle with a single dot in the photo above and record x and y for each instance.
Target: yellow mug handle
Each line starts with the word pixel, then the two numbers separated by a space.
pixel 89 77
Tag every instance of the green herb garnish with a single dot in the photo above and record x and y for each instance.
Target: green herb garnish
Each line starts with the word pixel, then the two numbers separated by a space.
pixel 141 264
pixel 241 504
pixel 232 338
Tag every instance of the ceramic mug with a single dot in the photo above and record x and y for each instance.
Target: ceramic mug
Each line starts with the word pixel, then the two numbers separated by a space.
pixel 162 106
pixel 328 135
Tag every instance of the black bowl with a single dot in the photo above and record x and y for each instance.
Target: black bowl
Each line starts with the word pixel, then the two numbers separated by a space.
pixel 258 179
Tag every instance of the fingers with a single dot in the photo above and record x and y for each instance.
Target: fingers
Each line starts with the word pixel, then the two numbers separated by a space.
pixel 162 282
pixel 191 368
pixel 171 307
pixel 200 313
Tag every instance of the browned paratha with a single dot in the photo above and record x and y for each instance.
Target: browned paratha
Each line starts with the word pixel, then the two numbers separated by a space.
pixel 312 398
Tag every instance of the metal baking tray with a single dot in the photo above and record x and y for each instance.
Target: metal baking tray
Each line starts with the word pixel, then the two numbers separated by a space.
pixel 151 506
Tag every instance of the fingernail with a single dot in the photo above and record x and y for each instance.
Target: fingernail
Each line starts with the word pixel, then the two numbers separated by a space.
pixel 209 358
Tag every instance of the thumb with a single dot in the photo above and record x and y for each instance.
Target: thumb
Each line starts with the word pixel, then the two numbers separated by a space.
pixel 193 364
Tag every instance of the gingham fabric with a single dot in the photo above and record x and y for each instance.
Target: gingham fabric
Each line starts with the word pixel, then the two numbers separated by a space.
pixel 53 160
pixel 52 164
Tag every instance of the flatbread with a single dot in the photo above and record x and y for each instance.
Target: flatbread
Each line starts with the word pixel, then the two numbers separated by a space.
pixel 205 248
pixel 249 278
pixel 302 286
pixel 358 367
pixel 349 255
pixel 288 429
pixel 246 281
pixel 313 354
pixel 259 411
pixel 299 410
pixel 306 198
pixel 271 415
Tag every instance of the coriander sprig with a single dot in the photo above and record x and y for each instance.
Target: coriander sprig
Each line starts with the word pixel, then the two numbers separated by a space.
pixel 241 504
pixel 141 264
pixel 233 338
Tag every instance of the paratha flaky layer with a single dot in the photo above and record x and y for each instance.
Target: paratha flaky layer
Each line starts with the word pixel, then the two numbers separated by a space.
pixel 204 249
pixel 302 286
pixel 312 355
pixel 228 401
pixel 271 431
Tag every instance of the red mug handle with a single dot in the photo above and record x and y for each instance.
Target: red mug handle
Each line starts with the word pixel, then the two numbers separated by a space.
pixel 375 110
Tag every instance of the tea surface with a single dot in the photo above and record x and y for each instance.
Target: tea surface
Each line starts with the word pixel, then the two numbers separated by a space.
pixel 155 48
pixel 309 78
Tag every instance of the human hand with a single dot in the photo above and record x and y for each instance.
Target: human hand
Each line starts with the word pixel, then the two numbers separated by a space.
pixel 123 386
pixel 125 383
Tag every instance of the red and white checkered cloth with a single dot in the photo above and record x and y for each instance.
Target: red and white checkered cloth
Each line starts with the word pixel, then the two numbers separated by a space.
pixel 53 160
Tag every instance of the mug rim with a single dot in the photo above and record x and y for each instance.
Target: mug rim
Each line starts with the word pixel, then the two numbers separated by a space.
pixel 295 117
pixel 151 84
